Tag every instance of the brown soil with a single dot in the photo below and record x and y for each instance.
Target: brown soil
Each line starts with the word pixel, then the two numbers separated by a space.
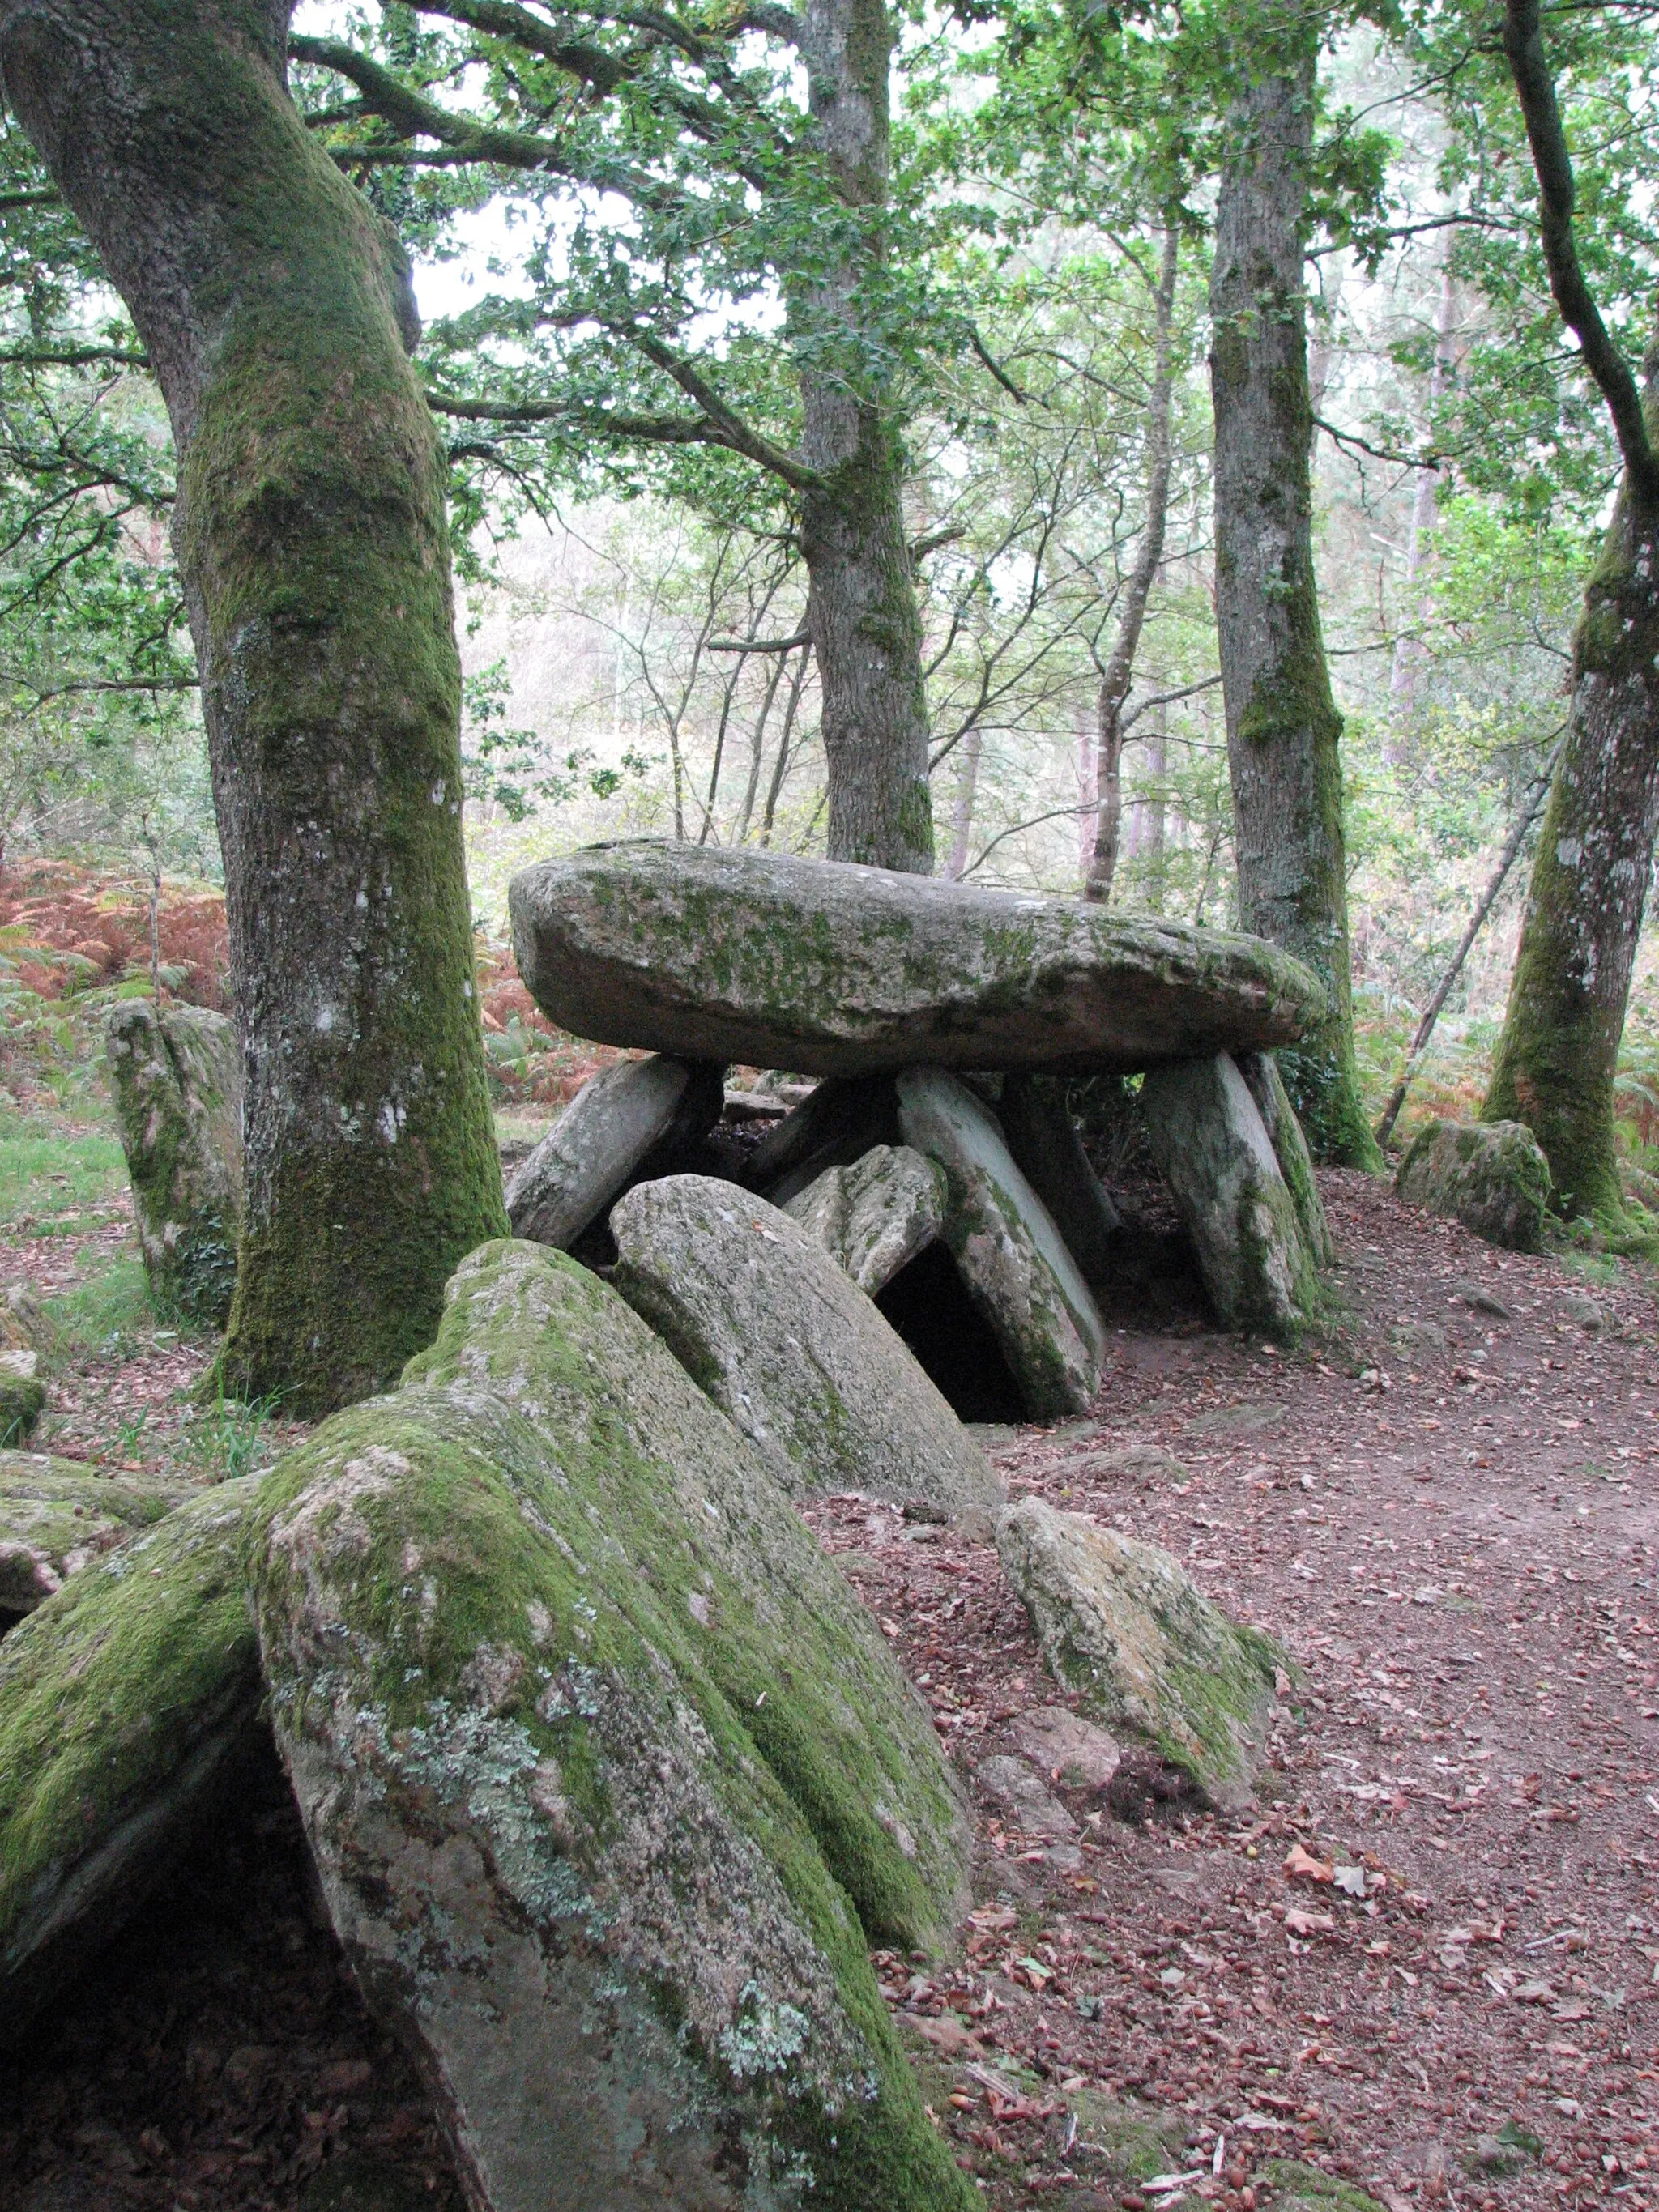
pixel 1448 1515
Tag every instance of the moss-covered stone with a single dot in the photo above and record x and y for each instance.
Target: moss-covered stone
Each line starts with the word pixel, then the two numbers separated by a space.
pixel 772 960
pixel 1492 1176
pixel 1012 1259
pixel 177 1081
pixel 874 1217
pixel 22 1396
pixel 607 1774
pixel 57 1518
pixel 121 1697
pixel 1211 1143
pixel 1120 1623
pixel 1134 2141
pixel 789 1347
pixel 1284 1133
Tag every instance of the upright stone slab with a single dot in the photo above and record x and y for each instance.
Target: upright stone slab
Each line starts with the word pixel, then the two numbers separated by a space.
pixel 1012 1259
pixel 608 1775
pixel 763 1319
pixel 605 1137
pixel 55 1519
pixel 1286 1135
pixel 718 952
pixel 834 1126
pixel 122 1699
pixel 178 1084
pixel 1049 1151
pixel 1121 1625
pixel 1210 1143
pixel 1491 1175
pixel 874 1218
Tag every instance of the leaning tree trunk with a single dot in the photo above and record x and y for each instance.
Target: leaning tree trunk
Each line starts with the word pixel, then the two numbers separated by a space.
pixel 310 535
pixel 1119 672
pixel 1283 728
pixel 1558 1052
pixel 862 613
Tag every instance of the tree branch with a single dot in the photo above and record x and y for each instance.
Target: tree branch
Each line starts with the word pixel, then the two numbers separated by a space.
pixel 413 116
pixel 70 357
pixel 761 644
pixel 1523 49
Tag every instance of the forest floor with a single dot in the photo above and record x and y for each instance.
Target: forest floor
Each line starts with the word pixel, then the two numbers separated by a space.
pixel 1449 1514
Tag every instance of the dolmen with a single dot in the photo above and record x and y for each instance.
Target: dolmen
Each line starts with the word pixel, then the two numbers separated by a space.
pixel 937 1016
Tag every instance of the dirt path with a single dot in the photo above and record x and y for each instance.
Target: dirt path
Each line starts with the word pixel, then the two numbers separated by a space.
pixel 1455 1529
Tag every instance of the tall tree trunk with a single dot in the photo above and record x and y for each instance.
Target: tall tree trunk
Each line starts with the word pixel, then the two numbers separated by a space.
pixel 1119 671
pixel 961 813
pixel 311 536
pixel 862 612
pixel 1283 729
pixel 1410 652
pixel 1558 1052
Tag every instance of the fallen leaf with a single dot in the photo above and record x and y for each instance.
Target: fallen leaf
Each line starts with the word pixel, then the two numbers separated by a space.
pixel 948 2034
pixel 1301 1866
pixel 1349 1880
pixel 1301 1923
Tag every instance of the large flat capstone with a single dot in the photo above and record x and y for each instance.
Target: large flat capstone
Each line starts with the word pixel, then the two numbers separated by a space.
pixel 609 1775
pixel 774 960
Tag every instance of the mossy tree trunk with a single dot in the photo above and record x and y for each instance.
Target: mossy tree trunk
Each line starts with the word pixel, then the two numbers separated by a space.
pixel 1559 1049
pixel 862 611
pixel 311 536
pixel 1283 728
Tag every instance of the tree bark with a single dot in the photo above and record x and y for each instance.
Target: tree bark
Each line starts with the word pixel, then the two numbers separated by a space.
pixel 1557 1055
pixel 311 540
pixel 1119 672
pixel 862 612
pixel 1283 729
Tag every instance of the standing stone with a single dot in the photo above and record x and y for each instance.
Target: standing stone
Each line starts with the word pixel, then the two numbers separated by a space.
pixel 1120 1624
pixel 1049 1151
pixel 874 1217
pixel 1286 1135
pixel 1491 1175
pixel 772 960
pixel 762 1319
pixel 605 1138
pixel 122 1696
pixel 607 1773
pixel 834 1126
pixel 1210 1142
pixel 177 1084
pixel 1012 1260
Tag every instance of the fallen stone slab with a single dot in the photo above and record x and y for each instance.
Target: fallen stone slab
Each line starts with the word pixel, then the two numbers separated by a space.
pixel 1491 1175
pixel 874 1217
pixel 1049 1151
pixel 57 1518
pixel 1013 1262
pixel 767 958
pixel 1063 1744
pixel 1120 1624
pixel 177 1081
pixel 607 1773
pixel 834 1126
pixel 605 1138
pixel 1210 1143
pixel 1025 1797
pixel 1143 1462
pixel 1289 1141
pixel 124 1698
pixel 763 1320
